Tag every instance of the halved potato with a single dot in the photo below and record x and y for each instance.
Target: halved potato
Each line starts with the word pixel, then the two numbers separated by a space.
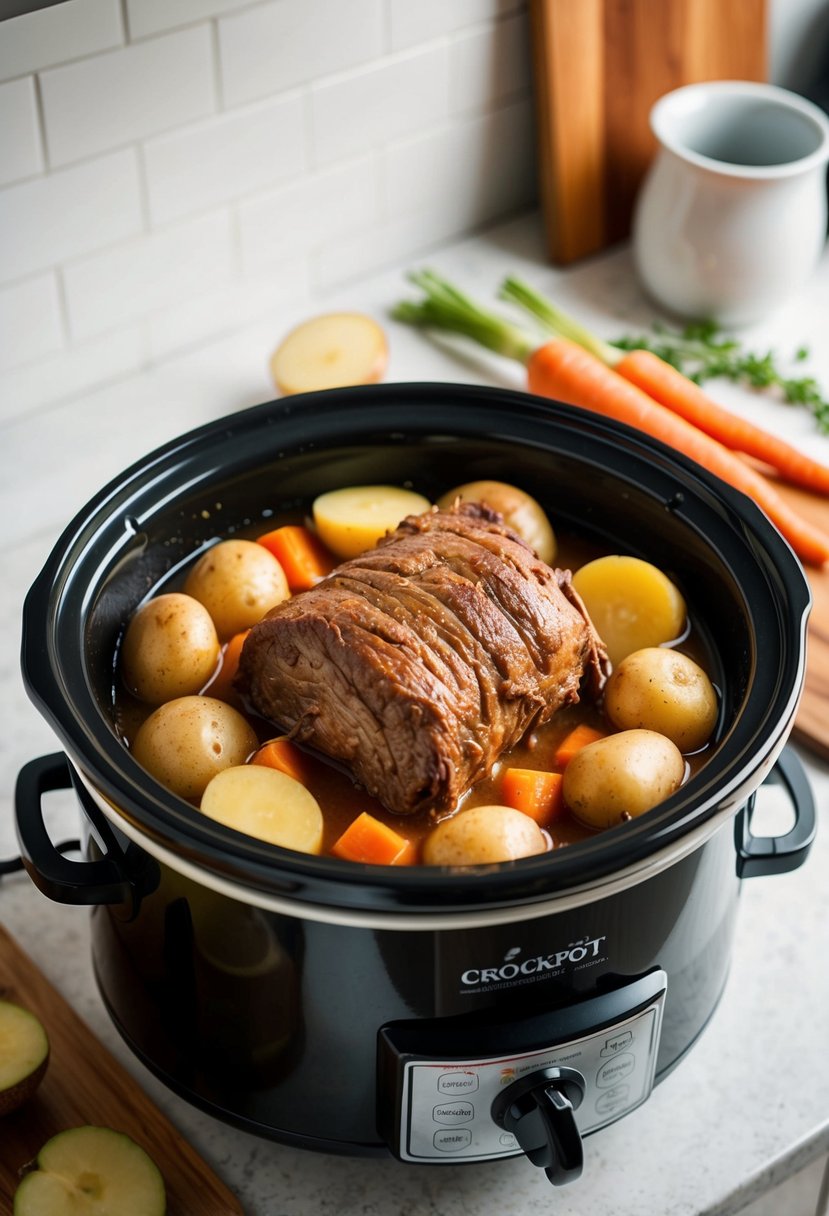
pixel 631 603
pixel 330 351
pixel 265 803
pixel 351 520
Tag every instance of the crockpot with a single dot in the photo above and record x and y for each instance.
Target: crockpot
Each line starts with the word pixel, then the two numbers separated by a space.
pixel 438 1015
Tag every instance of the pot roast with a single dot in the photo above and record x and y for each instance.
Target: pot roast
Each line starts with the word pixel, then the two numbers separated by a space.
pixel 416 664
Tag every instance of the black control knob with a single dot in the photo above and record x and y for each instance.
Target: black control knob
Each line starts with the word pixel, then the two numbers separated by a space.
pixel 538 1110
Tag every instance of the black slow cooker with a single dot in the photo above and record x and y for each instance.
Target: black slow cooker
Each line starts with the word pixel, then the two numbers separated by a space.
pixel 440 1016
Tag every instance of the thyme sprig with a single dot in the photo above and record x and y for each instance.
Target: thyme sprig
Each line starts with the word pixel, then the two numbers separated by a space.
pixel 702 353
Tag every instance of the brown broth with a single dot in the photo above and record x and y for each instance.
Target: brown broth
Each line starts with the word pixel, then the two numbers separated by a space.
pixel 342 800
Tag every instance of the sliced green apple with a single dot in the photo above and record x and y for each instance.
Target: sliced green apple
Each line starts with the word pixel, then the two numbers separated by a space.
pixel 91 1171
pixel 24 1055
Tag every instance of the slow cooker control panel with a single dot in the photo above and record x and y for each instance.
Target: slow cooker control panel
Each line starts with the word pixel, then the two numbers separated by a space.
pixel 435 1101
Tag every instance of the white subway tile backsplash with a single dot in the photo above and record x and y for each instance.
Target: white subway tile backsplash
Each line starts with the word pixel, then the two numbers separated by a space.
pixel 227 309
pixel 308 213
pixel 152 272
pixel 111 99
pixel 20 151
pixel 58 33
pixel 491 63
pixel 413 21
pixel 367 108
pixel 71 371
pixel 224 157
pixel 63 215
pixel 154 16
pixel 472 171
pixel 276 46
pixel 30 322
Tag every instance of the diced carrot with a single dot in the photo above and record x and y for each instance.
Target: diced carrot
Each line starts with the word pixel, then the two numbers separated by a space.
pixel 284 755
pixel 300 553
pixel 536 793
pixel 369 840
pixel 578 738
pixel 221 686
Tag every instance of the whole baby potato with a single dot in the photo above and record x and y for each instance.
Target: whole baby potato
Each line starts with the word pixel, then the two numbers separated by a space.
pixel 663 690
pixel 621 776
pixel 483 834
pixel 238 581
pixel 170 648
pixel 521 512
pixel 186 742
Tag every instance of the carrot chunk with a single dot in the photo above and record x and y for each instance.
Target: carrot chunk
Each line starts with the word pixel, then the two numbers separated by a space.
pixel 536 793
pixel 369 840
pixel 221 686
pixel 301 555
pixel 578 738
pixel 285 756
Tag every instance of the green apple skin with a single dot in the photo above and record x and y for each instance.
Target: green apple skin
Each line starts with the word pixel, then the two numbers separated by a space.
pixel 24 1055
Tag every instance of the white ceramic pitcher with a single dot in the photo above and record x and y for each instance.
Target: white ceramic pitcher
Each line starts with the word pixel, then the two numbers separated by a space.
pixel 731 217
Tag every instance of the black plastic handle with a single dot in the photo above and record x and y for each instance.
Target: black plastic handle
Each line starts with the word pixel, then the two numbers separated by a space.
pixel 65 881
pixel 758 855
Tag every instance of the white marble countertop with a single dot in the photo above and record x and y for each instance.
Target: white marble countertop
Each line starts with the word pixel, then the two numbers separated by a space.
pixel 750 1104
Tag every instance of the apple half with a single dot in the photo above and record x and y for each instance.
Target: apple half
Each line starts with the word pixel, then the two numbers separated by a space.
pixel 24 1055
pixel 91 1171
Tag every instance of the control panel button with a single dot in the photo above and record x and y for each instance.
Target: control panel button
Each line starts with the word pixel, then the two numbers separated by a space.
pixel 613 1099
pixel 454 1112
pixel 458 1082
pixel 452 1141
pixel 615 1071
pixel 613 1046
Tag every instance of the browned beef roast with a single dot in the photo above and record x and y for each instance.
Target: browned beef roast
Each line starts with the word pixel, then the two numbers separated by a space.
pixel 419 662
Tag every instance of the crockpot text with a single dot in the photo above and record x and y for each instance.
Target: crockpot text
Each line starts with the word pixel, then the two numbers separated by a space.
pixel 576 952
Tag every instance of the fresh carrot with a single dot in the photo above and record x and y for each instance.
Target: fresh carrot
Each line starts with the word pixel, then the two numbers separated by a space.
pixel 580 736
pixel 564 370
pixel 221 685
pixel 300 553
pixel 285 756
pixel 669 387
pixel 369 840
pixel 536 793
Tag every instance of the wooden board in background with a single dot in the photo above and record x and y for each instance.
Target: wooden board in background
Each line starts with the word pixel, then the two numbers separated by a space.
pixel 84 1083
pixel 812 723
pixel 599 65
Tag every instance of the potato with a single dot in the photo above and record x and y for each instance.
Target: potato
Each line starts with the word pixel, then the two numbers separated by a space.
pixel 267 804
pixel 631 603
pixel 521 512
pixel 483 834
pixel 238 581
pixel 351 520
pixel 170 648
pixel 662 690
pixel 622 776
pixel 186 742
pixel 328 351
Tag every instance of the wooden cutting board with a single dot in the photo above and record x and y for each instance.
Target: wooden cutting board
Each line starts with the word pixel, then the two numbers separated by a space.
pixel 84 1083
pixel 812 723
pixel 599 65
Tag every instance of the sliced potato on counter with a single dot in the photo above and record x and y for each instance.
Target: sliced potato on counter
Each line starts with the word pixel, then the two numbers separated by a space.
pixel 521 512
pixel 631 603
pixel 24 1055
pixel 351 520
pixel 265 803
pixel 481 835
pixel 91 1171
pixel 622 776
pixel 237 581
pixel 330 351
pixel 663 690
